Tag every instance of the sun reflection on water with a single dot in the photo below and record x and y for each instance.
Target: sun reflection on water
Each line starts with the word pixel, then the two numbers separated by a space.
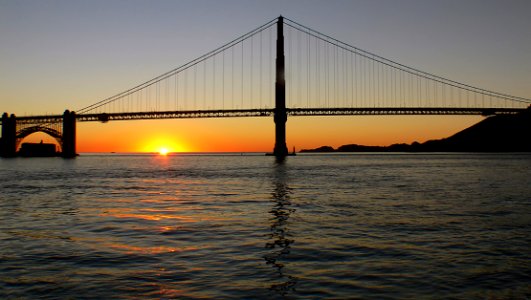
pixel 126 248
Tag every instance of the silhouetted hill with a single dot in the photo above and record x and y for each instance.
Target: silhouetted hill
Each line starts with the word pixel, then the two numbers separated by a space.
pixel 502 133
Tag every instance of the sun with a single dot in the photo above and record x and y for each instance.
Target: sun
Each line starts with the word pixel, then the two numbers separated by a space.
pixel 162 145
pixel 163 151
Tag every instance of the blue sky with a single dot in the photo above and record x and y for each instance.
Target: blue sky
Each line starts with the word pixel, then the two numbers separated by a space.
pixel 59 54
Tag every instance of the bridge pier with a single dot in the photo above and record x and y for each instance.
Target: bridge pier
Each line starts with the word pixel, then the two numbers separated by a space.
pixel 69 134
pixel 281 116
pixel 8 142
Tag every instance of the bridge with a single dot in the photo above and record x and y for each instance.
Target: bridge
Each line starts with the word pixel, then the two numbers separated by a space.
pixel 279 69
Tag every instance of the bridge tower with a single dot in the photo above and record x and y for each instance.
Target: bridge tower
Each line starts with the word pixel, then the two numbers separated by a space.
pixel 281 116
pixel 8 143
pixel 69 134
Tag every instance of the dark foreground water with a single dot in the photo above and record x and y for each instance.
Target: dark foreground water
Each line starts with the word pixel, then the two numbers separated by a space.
pixel 364 226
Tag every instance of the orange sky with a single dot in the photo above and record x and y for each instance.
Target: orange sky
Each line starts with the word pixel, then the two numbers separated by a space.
pixel 257 134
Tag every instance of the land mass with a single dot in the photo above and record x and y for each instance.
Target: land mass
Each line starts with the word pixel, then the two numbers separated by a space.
pixel 500 133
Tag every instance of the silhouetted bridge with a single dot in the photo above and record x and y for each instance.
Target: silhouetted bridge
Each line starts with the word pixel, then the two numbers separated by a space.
pixel 326 78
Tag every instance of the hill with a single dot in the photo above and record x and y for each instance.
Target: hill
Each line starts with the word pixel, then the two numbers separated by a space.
pixel 500 133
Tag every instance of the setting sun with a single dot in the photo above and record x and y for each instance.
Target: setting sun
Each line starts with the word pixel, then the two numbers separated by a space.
pixel 162 143
pixel 163 151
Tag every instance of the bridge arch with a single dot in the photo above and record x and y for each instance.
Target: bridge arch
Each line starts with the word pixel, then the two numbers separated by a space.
pixel 23 133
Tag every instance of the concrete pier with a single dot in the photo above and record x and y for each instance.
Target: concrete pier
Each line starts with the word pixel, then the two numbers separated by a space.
pixel 8 143
pixel 69 134
pixel 281 116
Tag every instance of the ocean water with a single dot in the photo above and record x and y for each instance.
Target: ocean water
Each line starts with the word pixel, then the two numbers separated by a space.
pixel 340 226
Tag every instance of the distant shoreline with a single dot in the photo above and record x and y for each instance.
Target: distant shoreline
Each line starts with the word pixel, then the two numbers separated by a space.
pixel 500 133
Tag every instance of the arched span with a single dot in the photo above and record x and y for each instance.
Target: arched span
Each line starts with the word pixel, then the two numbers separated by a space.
pixel 21 134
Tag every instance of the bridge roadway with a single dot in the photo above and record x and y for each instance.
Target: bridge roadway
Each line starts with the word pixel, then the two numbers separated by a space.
pixel 266 112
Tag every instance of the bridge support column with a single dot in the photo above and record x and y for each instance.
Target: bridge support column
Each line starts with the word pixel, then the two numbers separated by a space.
pixel 281 116
pixel 8 143
pixel 69 134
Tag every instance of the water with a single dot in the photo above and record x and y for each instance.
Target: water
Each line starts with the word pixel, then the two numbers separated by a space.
pixel 368 226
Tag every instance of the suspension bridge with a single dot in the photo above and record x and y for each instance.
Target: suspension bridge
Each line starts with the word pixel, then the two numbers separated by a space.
pixel 279 69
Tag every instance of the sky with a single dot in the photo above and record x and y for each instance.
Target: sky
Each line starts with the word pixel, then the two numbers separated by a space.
pixel 58 55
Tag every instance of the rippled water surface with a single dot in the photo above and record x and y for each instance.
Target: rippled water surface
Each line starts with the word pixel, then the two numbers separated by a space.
pixel 363 226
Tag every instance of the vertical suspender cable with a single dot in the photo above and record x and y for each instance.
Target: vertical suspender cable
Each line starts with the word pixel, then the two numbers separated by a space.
pixel 270 63
pixel 204 84
pixel 195 87
pixel 318 73
pixel 214 82
pixel 260 71
pixel 308 70
pixel 251 83
pixel 299 67
pixel 232 79
pixel 241 98
pixel 223 82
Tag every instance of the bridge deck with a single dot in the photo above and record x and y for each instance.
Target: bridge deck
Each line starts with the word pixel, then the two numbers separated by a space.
pixel 103 117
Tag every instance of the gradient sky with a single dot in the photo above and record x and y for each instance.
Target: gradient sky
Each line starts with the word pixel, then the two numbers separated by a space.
pixel 56 55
